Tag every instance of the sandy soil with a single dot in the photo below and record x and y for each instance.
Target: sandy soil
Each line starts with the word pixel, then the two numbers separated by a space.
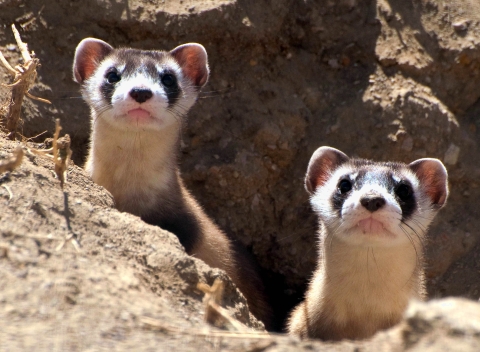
pixel 385 79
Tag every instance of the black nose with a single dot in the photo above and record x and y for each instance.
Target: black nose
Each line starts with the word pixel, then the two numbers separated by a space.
pixel 372 203
pixel 141 95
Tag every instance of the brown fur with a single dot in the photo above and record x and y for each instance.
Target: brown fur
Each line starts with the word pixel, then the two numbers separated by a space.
pixel 139 165
pixel 357 291
pixel 366 277
pixel 215 249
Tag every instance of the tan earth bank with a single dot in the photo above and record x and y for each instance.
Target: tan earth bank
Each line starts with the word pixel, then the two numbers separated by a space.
pixel 377 79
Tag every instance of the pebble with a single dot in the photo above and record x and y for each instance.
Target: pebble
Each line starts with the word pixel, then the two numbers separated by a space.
pixel 461 26
pixel 451 155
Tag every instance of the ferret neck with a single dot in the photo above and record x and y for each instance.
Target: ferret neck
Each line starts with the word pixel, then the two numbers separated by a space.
pixel 367 267
pixel 378 282
pixel 136 166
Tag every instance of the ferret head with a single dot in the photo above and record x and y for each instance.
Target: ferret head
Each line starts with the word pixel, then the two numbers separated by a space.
pixel 133 89
pixel 370 203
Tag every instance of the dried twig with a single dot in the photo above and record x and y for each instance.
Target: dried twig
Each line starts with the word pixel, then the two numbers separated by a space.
pixel 13 161
pixel 36 236
pixel 69 238
pixel 61 153
pixel 24 77
pixel 215 314
pixel 158 325
pixel 10 194
pixel 213 294
pixel 29 139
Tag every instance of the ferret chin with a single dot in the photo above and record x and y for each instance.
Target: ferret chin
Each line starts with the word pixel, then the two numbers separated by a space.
pixel 138 100
pixel 373 218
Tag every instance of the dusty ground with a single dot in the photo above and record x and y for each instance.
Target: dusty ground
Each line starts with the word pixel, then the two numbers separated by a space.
pixel 377 79
pixel 129 285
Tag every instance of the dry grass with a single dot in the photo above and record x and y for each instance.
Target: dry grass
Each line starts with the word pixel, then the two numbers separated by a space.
pixel 24 77
pixel 61 153
pixel 12 162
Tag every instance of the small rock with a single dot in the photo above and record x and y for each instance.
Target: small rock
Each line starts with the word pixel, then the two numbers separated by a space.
pixel 461 26
pixel 124 315
pixel 246 21
pixel 451 155
pixel 333 63
pixel 335 127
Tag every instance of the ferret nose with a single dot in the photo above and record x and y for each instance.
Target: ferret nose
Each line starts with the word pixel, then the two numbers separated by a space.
pixel 372 203
pixel 141 95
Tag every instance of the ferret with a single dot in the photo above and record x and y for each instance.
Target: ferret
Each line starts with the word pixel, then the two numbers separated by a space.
pixel 374 217
pixel 138 100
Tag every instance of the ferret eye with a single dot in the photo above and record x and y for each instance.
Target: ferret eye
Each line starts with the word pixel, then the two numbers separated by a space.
pixel 168 80
pixel 112 77
pixel 344 186
pixel 404 192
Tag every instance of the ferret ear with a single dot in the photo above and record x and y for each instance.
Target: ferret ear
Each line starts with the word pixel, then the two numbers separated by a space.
pixel 89 53
pixel 434 178
pixel 321 165
pixel 192 58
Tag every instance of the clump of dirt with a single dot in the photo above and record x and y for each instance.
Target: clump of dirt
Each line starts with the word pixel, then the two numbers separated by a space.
pixel 76 274
pixel 384 79
pixel 71 254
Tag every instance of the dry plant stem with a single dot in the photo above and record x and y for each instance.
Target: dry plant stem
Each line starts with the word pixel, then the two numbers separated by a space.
pixel 21 45
pixel 25 139
pixel 10 194
pixel 24 77
pixel 69 238
pixel 158 325
pixel 7 65
pixel 13 161
pixel 61 157
pixel 37 236
pixel 61 153
pixel 214 313
pixel 213 294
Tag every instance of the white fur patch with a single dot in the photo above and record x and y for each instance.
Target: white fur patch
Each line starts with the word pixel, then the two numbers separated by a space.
pixel 136 160
pixel 161 114
pixel 346 225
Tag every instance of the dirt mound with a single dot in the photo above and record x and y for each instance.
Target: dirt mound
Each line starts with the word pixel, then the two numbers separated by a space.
pixel 377 79
pixel 71 261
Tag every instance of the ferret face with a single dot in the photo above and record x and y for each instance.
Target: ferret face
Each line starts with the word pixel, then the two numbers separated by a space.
pixel 375 204
pixel 372 204
pixel 136 89
pixel 131 89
